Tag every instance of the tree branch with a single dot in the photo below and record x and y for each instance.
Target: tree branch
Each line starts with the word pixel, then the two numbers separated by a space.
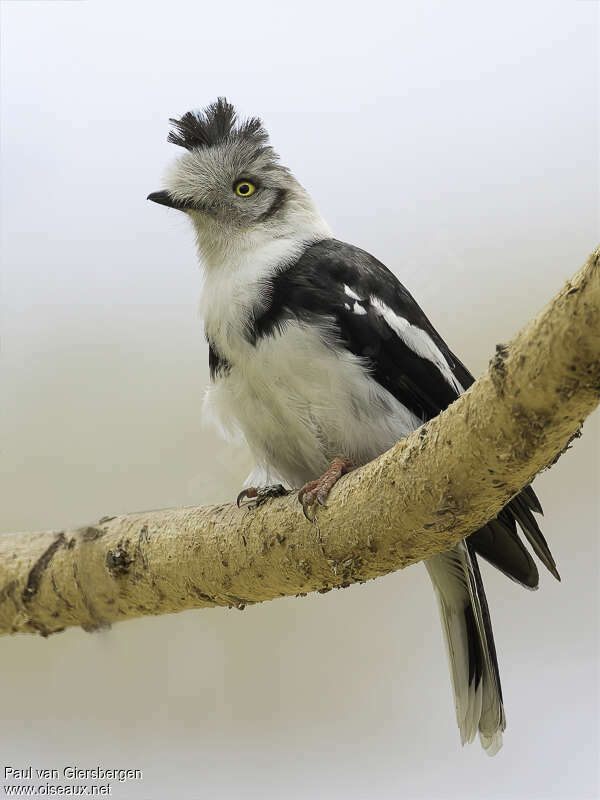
pixel 430 490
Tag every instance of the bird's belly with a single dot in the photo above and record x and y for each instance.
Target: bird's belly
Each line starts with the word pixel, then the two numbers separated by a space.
pixel 299 402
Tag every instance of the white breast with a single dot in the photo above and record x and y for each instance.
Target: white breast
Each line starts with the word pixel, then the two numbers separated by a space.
pixel 299 402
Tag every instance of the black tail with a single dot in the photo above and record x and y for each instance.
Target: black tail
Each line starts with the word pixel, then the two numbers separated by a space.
pixel 499 543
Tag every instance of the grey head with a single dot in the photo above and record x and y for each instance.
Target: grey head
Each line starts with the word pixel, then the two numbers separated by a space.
pixel 230 181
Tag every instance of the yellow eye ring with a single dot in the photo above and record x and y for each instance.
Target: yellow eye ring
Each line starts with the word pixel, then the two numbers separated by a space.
pixel 244 188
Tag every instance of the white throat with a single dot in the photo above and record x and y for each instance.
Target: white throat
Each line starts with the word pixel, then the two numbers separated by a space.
pixel 237 264
pixel 222 248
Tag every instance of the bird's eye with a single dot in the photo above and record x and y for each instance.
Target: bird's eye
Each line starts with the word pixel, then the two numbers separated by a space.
pixel 244 188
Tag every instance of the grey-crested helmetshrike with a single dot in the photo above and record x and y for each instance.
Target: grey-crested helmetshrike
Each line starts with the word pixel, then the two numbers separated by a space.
pixel 322 360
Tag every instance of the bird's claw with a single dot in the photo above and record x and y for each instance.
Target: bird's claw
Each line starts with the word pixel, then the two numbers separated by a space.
pixel 308 501
pixel 305 506
pixel 245 493
pixel 260 494
pixel 306 496
pixel 317 491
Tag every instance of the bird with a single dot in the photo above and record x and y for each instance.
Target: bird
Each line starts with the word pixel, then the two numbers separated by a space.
pixel 322 360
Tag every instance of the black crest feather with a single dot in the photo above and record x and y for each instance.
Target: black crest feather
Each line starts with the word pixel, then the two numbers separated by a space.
pixel 216 124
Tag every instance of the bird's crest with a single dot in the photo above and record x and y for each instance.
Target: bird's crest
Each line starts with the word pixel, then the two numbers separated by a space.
pixel 216 124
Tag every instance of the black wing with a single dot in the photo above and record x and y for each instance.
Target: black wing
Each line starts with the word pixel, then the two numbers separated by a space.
pixel 378 319
pixel 335 280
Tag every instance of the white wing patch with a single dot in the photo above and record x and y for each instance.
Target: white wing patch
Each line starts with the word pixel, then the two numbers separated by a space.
pixel 358 309
pixel 352 294
pixel 418 340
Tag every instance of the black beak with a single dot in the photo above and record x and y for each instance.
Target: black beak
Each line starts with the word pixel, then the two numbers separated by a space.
pixel 165 199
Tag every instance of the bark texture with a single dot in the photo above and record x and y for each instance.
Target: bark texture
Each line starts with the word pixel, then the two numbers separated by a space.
pixel 430 490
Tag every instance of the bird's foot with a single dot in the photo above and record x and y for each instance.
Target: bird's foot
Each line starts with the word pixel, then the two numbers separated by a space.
pixel 317 491
pixel 258 495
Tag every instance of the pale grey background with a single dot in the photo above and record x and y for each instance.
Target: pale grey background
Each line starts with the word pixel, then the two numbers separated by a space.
pixel 456 141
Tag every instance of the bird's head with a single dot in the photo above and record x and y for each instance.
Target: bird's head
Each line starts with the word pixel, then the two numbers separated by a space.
pixel 231 184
